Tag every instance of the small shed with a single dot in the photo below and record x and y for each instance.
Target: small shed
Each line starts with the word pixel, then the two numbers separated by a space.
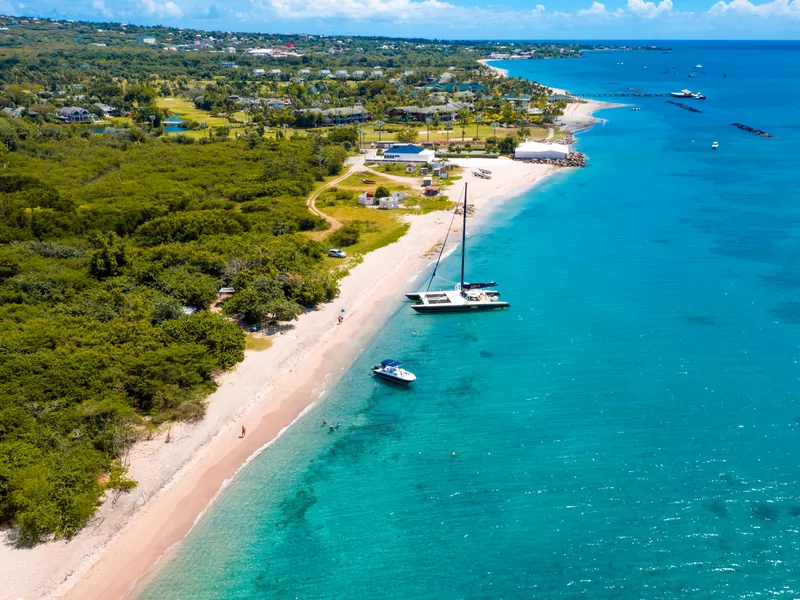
pixel 388 203
pixel 540 150
pixel 437 171
pixel 366 199
pixel 443 175
pixel 431 190
pixel 411 169
pixel 398 196
pixel 427 181
pixel 423 171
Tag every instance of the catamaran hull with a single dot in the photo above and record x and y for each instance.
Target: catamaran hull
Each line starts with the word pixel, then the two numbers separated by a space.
pixel 456 308
pixel 417 296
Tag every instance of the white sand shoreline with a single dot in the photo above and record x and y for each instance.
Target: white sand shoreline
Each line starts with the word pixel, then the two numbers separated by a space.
pixel 267 393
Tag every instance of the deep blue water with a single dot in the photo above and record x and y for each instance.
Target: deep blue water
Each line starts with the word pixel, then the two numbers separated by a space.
pixel 628 429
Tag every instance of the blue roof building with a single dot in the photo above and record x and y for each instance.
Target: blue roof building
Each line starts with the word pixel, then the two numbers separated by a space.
pixel 409 153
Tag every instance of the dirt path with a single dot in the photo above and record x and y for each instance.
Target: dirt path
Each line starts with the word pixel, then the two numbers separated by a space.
pixel 409 181
pixel 356 165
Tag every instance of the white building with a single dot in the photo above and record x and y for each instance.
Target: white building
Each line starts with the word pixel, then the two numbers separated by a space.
pixel 366 199
pixel 540 150
pixel 388 203
pixel 409 153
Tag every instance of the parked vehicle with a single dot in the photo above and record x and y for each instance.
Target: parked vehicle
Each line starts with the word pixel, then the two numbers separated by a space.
pixel 333 252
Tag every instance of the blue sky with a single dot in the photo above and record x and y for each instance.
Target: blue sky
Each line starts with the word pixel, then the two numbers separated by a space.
pixel 463 19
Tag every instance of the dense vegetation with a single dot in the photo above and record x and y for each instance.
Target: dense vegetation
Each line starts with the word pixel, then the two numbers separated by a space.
pixel 112 248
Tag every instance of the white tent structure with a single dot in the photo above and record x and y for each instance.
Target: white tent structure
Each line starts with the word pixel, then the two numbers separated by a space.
pixel 540 150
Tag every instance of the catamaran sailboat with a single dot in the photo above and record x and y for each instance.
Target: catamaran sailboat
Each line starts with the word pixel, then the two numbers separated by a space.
pixel 465 297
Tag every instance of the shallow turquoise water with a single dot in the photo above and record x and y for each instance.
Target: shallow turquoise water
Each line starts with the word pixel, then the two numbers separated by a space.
pixel 628 429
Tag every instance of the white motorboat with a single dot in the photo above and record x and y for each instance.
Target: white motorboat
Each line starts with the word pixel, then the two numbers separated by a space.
pixel 390 370
pixel 698 66
pixel 715 145
pixel 681 94
pixel 465 297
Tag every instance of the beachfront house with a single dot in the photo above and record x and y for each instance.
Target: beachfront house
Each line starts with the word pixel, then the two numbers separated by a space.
pixel 557 97
pixel 366 199
pixel 409 153
pixel 73 114
pixel 540 150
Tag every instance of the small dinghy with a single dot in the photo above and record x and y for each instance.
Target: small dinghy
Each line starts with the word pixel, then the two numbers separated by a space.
pixel 390 370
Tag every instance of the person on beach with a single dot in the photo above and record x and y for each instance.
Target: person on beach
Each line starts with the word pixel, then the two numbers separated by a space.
pixel 341 318
pixel 243 431
pixel 331 429
pixel 324 422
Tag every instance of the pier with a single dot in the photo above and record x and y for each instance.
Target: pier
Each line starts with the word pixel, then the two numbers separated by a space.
pixel 621 95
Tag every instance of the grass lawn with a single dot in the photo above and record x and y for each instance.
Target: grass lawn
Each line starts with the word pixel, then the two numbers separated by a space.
pixel 354 183
pixel 384 226
pixel 440 134
pixel 187 111
pixel 258 342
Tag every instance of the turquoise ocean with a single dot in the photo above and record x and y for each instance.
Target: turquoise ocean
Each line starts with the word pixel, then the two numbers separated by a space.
pixel 630 428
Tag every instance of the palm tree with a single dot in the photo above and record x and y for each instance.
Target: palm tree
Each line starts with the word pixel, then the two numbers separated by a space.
pixel 524 131
pixel 378 126
pixel 478 120
pixel 463 120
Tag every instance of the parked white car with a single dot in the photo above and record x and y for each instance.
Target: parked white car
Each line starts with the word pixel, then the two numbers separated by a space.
pixel 337 253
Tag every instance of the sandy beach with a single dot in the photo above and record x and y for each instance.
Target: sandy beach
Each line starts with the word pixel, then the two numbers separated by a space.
pixel 578 115
pixel 266 393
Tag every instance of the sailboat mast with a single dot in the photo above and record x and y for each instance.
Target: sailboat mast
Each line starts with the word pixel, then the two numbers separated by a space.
pixel 464 238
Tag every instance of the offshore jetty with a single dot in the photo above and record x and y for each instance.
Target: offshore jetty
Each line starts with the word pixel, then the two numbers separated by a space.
pixel 685 106
pixel 743 127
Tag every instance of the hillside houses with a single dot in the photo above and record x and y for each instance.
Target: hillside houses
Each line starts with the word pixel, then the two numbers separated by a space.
pixel 73 114
pixel 345 115
pixel 446 112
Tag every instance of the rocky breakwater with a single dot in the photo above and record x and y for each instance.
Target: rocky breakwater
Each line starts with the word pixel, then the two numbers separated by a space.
pixel 743 127
pixel 573 159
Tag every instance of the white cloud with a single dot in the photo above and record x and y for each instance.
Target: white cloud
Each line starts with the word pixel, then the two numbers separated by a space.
pixel 100 6
pixel 649 10
pixel 540 7
pixel 776 8
pixel 356 10
pixel 165 9
pixel 596 9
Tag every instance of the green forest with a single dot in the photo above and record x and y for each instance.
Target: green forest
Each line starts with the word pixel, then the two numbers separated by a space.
pixel 112 248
